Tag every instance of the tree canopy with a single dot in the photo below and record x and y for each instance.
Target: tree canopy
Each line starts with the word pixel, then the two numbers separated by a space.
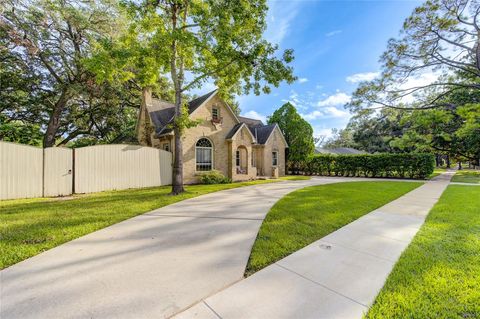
pixel 427 96
pixel 192 42
pixel 298 134
pixel 435 55
pixel 43 78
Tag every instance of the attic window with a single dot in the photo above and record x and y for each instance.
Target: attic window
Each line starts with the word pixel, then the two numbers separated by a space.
pixel 215 114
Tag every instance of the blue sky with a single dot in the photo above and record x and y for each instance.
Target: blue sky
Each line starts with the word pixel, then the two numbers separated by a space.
pixel 336 43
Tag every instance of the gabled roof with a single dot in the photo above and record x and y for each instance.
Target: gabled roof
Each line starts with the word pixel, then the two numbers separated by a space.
pixel 162 112
pixel 195 103
pixel 250 122
pixel 237 128
pixel 262 133
pixel 233 131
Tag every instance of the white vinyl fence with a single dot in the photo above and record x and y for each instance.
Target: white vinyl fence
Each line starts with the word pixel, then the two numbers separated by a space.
pixel 105 167
pixel 21 171
pixel 27 171
pixel 58 171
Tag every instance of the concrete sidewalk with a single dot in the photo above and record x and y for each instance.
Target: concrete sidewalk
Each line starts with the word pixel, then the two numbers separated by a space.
pixel 150 266
pixel 338 276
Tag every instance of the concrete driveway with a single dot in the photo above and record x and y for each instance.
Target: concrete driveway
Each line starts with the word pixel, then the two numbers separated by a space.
pixel 337 276
pixel 150 266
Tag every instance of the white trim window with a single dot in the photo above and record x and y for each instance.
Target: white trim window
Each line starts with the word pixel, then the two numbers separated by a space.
pixel 237 158
pixel 216 114
pixel 274 158
pixel 204 155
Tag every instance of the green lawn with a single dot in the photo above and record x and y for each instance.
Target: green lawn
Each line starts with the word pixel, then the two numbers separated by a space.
pixel 311 213
pixel 438 276
pixel 30 226
pixel 467 176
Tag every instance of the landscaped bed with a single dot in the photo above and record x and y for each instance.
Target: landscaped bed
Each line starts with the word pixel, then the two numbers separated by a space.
pixel 311 213
pixel 438 276
pixel 467 176
pixel 30 226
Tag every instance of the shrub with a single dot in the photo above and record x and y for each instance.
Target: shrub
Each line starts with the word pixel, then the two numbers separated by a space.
pixel 412 165
pixel 214 177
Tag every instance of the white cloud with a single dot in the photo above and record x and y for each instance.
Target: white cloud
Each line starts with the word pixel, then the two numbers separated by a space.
pixel 421 80
pixel 332 33
pixel 339 98
pixel 360 77
pixel 335 112
pixel 255 115
pixel 326 113
pixel 279 18
pixel 414 82
pixel 302 80
pixel 317 132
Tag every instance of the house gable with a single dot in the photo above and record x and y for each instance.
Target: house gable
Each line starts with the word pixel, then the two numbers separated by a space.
pixel 214 100
pixel 277 133
pixel 242 129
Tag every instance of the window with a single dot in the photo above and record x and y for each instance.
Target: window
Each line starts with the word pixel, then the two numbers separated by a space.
pixel 237 158
pixel 254 158
pixel 274 158
pixel 166 147
pixel 215 114
pixel 204 155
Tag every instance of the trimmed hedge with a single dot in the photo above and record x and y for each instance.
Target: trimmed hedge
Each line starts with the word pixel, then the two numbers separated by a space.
pixel 412 165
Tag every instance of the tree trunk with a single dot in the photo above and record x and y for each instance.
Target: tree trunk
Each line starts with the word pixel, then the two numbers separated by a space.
pixel 176 71
pixel 448 161
pixel 54 122
pixel 177 182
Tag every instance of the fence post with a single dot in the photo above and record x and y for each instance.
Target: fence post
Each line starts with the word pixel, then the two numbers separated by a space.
pixel 73 171
pixel 43 172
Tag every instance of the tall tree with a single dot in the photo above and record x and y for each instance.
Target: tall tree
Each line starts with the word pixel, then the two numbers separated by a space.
pixel 193 42
pixel 298 134
pixel 439 41
pixel 430 83
pixel 340 138
pixel 49 40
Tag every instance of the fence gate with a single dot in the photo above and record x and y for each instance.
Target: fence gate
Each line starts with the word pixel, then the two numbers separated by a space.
pixel 57 171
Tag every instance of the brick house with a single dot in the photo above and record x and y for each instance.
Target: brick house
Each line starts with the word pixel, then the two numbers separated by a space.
pixel 239 147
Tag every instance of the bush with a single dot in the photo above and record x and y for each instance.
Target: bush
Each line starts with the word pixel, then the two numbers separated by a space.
pixel 412 165
pixel 214 177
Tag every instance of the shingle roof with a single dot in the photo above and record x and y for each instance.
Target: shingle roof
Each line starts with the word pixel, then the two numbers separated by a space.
pixel 250 122
pixel 161 118
pixel 195 103
pixel 234 130
pixel 162 112
pixel 262 133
